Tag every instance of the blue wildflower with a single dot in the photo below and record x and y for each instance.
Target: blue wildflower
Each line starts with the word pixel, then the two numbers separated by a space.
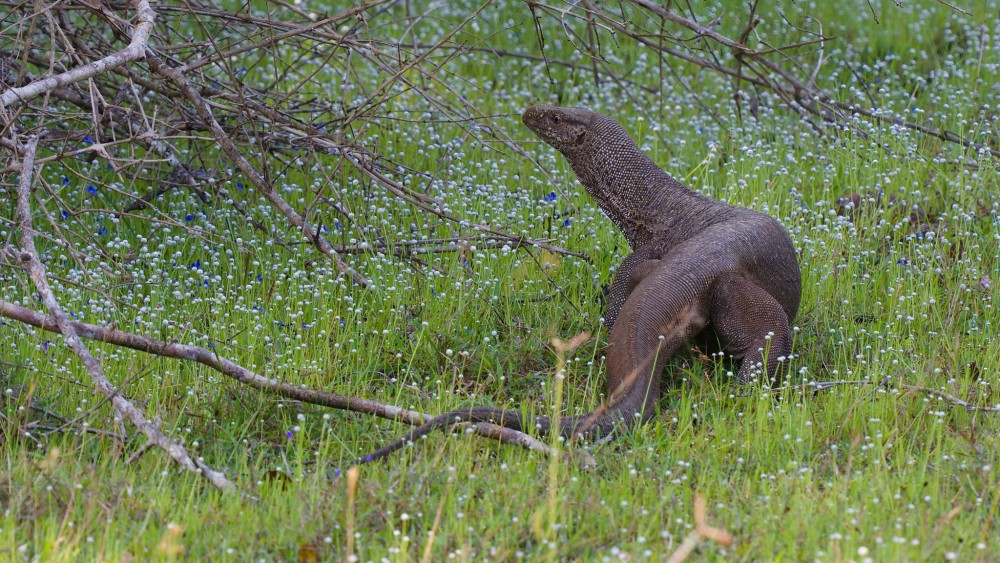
pixel 196 264
pixel 337 225
pixel 289 434
pixel 258 308
pixel 260 278
pixel 65 180
pixel 102 231
pixel 64 214
pixel 87 139
pixel 91 189
pixel 189 217
pixel 239 185
pixel 206 284
pixel 551 196
pixel 566 223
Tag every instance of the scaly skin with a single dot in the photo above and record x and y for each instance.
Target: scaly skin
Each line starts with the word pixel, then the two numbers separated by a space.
pixel 699 269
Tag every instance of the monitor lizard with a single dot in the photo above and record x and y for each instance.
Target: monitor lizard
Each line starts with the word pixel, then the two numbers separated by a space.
pixel 700 269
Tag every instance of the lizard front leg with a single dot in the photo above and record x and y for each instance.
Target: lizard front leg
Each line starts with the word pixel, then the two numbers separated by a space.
pixel 751 326
pixel 633 268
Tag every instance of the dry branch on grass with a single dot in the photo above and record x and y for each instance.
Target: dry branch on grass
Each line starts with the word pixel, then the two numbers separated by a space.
pixel 208 358
pixel 136 50
pixel 29 256
pixel 886 381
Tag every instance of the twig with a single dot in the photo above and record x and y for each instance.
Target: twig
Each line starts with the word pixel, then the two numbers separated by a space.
pixel 824 385
pixel 454 244
pixel 29 256
pixel 138 453
pixel 68 425
pixel 951 398
pixel 954 7
pixel 800 95
pixel 432 206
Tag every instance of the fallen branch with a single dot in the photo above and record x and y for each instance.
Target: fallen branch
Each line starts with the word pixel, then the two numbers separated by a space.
pixel 214 361
pixel 435 208
pixel 801 95
pixel 29 256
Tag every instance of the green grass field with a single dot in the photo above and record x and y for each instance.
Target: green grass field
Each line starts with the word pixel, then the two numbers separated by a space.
pixel 897 232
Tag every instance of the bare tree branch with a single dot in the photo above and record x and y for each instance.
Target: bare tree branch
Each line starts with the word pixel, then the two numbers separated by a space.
pixel 801 95
pixel 135 51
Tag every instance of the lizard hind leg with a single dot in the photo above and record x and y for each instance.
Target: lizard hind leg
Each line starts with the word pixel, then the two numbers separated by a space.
pixel 751 326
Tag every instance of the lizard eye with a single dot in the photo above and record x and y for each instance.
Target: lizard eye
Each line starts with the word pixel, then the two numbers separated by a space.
pixel 555 119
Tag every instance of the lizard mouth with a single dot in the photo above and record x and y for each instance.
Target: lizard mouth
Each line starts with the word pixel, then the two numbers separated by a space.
pixel 531 115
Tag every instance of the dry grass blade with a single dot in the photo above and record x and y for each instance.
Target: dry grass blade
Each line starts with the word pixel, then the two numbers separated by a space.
pixel 701 531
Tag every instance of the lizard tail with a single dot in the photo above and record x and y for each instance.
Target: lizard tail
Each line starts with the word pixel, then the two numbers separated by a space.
pixel 597 423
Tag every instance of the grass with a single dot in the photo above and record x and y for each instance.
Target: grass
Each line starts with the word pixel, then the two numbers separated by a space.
pixel 855 472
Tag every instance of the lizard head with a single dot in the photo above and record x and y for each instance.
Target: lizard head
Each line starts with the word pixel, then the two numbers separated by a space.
pixel 566 129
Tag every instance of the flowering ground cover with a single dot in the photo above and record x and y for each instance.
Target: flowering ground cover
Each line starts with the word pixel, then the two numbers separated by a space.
pixel 873 449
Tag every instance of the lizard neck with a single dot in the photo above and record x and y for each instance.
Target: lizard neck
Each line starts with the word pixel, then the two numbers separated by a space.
pixel 644 202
